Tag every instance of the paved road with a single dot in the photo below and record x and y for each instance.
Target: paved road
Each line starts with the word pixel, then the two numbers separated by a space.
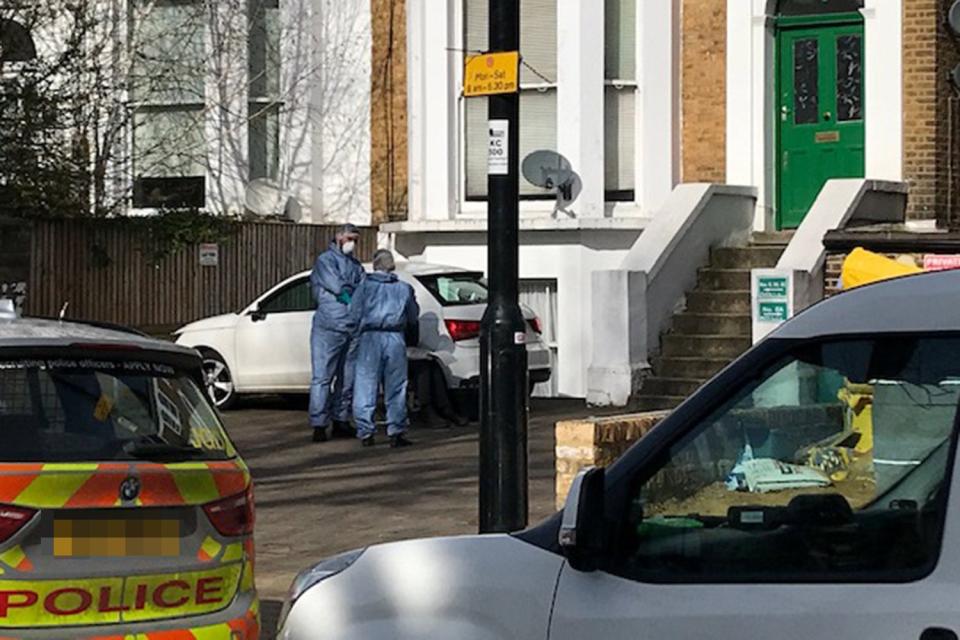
pixel 315 500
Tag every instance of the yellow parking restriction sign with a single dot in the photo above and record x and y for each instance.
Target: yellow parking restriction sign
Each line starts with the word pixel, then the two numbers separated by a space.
pixel 488 74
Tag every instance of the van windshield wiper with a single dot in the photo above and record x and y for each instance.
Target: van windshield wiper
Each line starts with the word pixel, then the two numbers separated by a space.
pixel 154 449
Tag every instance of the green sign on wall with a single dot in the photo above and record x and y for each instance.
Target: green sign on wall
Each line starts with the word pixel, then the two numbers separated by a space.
pixel 771 287
pixel 772 312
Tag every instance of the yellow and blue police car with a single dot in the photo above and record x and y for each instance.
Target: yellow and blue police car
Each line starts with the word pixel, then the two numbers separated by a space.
pixel 125 510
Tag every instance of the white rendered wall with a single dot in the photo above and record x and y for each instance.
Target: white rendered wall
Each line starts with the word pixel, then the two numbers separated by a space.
pixel 332 158
pixel 544 255
pixel 883 87
pixel 580 99
pixel 658 68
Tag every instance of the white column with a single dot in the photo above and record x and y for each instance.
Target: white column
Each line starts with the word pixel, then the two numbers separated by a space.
pixel 416 149
pixel 580 41
pixel 883 88
pixel 750 152
pixel 659 77
pixel 226 117
pixel 439 110
pixel 739 92
pixel 340 109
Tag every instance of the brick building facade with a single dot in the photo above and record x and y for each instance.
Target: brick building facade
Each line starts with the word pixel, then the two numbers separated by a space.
pixel 388 111
pixel 703 90
pixel 930 109
pixel 709 91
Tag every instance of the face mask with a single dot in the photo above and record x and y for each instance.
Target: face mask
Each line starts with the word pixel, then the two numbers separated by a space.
pixel 348 247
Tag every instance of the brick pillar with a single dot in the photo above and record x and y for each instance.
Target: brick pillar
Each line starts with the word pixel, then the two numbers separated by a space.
pixel 703 86
pixel 388 111
pixel 596 442
pixel 928 55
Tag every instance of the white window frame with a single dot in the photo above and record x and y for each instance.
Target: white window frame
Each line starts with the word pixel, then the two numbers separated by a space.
pixel 475 208
pixel 623 85
pixel 135 105
pixel 631 208
pixel 265 102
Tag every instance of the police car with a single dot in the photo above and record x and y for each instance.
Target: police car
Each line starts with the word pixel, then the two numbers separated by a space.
pixel 125 510
pixel 807 491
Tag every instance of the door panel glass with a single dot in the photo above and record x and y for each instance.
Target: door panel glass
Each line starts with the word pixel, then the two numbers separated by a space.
pixel 806 76
pixel 831 466
pixel 849 78
pixel 296 296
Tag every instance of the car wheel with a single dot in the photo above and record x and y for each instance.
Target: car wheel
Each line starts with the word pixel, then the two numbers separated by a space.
pixel 219 381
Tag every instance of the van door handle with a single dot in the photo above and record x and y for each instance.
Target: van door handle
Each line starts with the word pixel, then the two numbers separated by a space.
pixel 938 633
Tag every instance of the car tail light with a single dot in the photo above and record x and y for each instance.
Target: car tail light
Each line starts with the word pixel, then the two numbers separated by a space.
pixel 232 516
pixel 12 519
pixel 535 325
pixel 462 329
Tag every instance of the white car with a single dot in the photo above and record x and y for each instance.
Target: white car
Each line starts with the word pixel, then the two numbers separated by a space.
pixel 265 348
pixel 683 538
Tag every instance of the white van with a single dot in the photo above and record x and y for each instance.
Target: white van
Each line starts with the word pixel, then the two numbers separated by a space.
pixel 807 491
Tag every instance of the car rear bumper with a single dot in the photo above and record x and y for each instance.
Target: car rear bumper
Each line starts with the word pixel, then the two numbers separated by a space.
pixel 536 377
pixel 239 621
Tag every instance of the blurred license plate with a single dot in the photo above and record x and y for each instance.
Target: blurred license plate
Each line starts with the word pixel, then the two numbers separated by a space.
pixel 115 538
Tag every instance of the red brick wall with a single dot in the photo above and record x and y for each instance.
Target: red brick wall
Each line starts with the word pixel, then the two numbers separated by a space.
pixel 929 52
pixel 703 90
pixel 388 111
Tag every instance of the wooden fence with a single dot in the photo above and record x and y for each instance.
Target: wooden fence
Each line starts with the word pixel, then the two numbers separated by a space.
pixel 107 272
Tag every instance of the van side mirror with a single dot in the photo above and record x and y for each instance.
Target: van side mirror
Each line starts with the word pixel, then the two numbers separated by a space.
pixel 582 528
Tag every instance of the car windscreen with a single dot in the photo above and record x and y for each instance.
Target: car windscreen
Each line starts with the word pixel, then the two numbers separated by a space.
pixel 76 410
pixel 832 461
pixel 456 288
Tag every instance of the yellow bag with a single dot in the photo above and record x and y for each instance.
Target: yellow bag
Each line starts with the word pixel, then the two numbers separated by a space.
pixel 863 267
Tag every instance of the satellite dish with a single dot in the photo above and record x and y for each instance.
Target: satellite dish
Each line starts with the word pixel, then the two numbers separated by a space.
pixel 265 198
pixel 953 17
pixel 549 170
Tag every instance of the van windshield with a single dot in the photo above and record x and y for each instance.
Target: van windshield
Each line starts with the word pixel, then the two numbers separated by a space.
pixel 65 410
pixel 832 460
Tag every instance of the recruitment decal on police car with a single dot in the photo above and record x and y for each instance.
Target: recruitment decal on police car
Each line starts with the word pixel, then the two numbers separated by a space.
pixel 124 366
pixel 113 600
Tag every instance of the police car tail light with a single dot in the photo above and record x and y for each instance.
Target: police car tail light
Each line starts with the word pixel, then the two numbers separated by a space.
pixel 462 329
pixel 12 519
pixel 232 516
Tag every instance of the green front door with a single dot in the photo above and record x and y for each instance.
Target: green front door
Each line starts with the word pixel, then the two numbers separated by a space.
pixel 820 113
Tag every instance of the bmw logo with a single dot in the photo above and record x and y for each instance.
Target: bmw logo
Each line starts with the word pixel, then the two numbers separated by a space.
pixel 129 489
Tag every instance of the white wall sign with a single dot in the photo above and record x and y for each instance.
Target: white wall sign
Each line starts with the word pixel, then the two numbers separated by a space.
pixel 209 255
pixel 498 151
